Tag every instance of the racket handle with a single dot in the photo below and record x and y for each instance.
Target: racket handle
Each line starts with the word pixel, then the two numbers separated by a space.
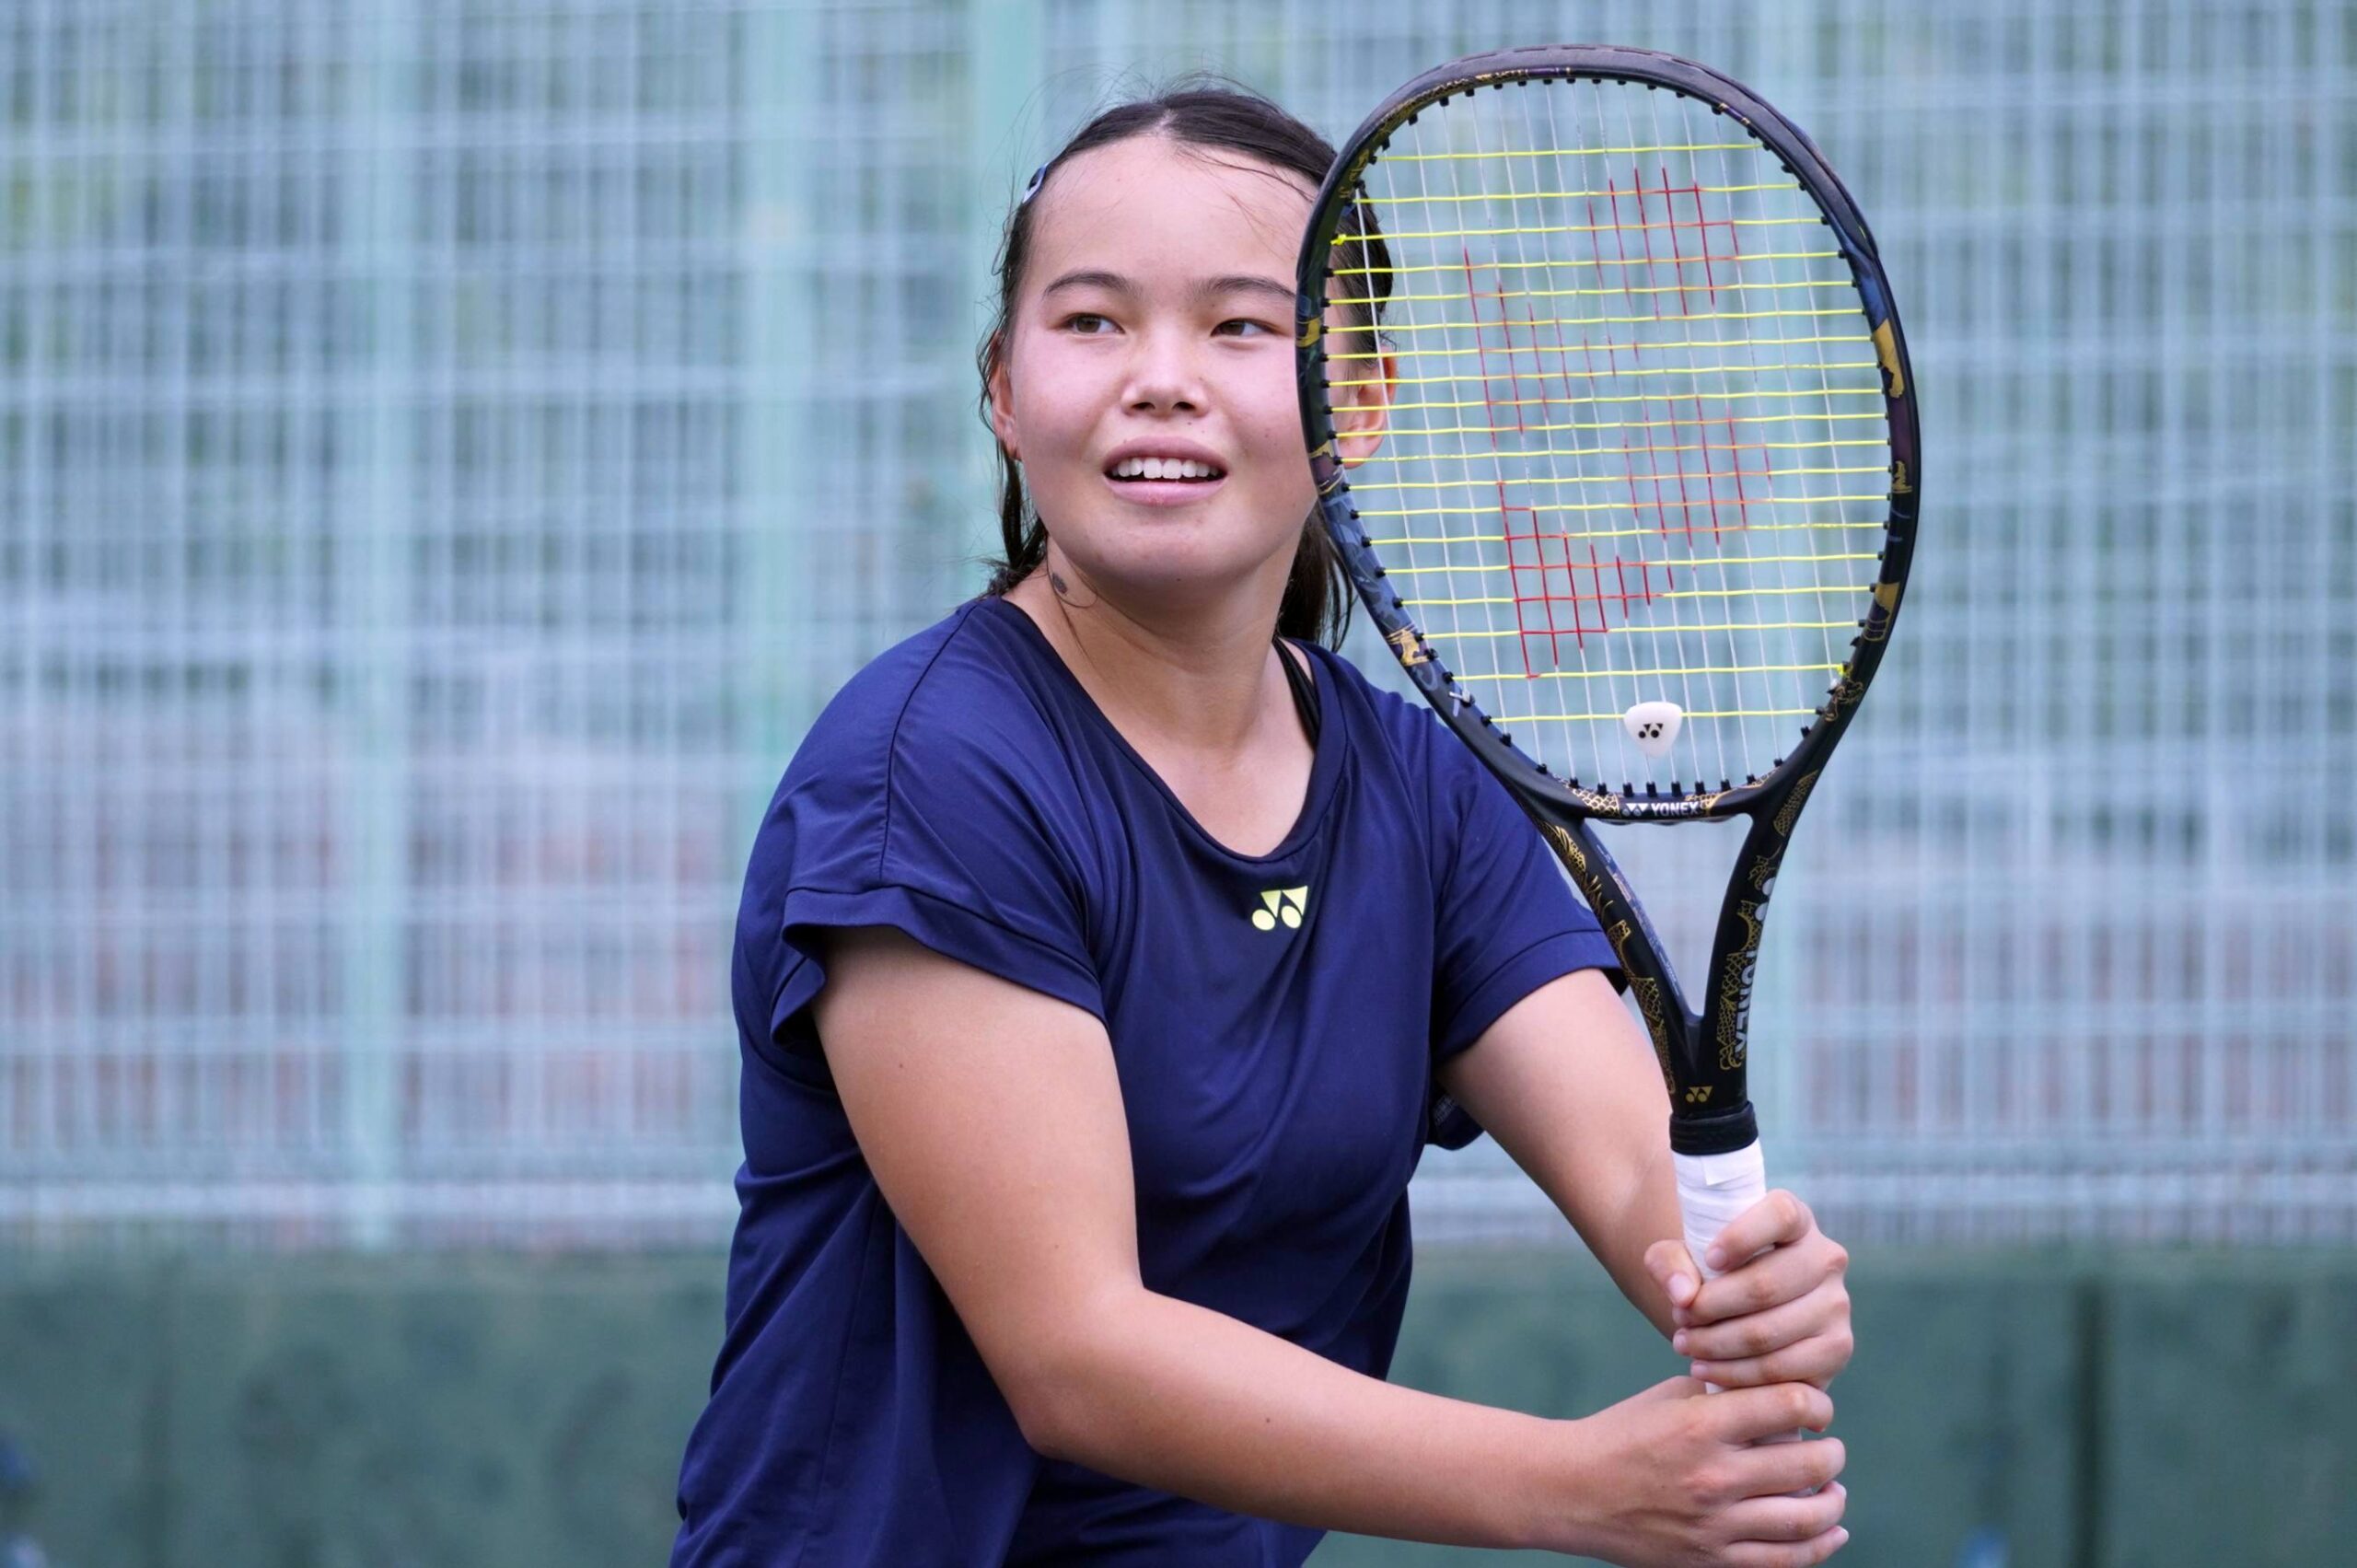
pixel 1712 1189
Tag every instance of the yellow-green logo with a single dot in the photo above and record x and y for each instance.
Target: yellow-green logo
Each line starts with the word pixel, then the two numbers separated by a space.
pixel 1282 906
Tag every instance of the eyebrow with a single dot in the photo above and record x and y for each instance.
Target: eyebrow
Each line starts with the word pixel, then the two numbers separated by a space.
pixel 1232 282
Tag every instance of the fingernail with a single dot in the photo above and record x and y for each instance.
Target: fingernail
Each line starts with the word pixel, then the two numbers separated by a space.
pixel 1700 1369
pixel 1843 1534
pixel 1680 1287
pixel 1677 1341
pixel 1717 1258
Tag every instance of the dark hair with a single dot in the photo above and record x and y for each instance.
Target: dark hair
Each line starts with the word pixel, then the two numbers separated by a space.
pixel 1316 606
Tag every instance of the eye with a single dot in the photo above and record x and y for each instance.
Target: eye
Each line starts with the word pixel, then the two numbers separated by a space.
pixel 1246 323
pixel 1088 324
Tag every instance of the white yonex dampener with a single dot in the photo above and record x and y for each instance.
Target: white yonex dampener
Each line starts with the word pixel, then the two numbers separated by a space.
pixel 1653 726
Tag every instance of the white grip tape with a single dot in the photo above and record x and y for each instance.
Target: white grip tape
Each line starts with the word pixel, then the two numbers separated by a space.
pixel 1712 1189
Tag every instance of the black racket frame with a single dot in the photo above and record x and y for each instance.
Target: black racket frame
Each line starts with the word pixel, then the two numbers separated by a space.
pixel 1702 1055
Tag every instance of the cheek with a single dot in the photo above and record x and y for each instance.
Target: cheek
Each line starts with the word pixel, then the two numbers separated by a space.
pixel 1055 394
pixel 1269 416
pixel 1275 442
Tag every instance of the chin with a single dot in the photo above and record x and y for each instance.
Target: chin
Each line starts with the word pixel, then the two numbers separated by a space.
pixel 1166 560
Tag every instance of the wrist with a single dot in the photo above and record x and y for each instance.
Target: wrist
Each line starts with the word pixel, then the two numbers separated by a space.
pixel 1553 1471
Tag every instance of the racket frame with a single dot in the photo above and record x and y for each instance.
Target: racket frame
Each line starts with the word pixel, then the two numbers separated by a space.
pixel 1702 1055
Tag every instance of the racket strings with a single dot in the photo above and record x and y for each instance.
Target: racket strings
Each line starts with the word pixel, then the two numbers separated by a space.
pixel 1634 451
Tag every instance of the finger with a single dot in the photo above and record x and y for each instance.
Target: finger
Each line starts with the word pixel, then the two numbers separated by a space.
pixel 1817 1361
pixel 1807 1554
pixel 1673 1269
pixel 1770 1279
pixel 1756 1333
pixel 1786 1519
pixel 1806 1341
pixel 1744 1416
pixel 1771 1469
pixel 1775 1220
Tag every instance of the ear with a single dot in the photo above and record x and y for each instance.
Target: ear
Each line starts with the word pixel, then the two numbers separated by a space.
pixel 1002 396
pixel 1359 426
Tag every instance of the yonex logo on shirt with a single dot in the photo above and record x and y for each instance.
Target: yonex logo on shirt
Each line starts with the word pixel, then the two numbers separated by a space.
pixel 1285 905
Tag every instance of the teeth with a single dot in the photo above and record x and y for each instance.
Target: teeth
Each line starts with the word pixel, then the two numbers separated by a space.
pixel 1163 468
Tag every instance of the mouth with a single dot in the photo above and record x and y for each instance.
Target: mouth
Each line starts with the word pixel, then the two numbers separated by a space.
pixel 1164 480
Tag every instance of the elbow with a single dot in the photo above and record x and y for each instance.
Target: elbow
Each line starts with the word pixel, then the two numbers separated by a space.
pixel 1059 1405
pixel 1048 1418
pixel 1061 1387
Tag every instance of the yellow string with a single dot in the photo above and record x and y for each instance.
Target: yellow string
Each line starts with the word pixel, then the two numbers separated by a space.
pixel 1809 394
pixel 1510 351
pixel 1662 505
pixel 1729 286
pixel 1659 370
pixel 1501 265
pixel 1393 201
pixel 1820 589
pixel 1583 566
pixel 1834 590
pixel 1809 219
pixel 1640 674
pixel 1577 718
pixel 1570 152
pixel 1507 324
pixel 1410 541
pixel 1421 404
pixel 1649 452
pixel 1664 631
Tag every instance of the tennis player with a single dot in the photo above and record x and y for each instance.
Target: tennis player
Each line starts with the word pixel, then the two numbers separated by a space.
pixel 1108 956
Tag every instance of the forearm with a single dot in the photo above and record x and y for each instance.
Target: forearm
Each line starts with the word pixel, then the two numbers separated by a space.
pixel 1180 1397
pixel 1620 1233
pixel 1567 1084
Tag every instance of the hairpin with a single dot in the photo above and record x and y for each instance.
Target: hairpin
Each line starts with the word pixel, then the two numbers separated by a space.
pixel 1037 176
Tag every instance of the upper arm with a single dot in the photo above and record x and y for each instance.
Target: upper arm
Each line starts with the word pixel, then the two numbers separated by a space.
pixel 991 1116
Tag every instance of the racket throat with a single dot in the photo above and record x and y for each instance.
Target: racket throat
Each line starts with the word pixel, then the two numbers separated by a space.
pixel 1715 1132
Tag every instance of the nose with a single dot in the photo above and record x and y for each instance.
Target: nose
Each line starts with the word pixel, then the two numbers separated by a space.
pixel 1166 375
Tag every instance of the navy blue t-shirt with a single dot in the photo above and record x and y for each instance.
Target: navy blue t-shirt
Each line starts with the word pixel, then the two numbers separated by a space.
pixel 1274 1021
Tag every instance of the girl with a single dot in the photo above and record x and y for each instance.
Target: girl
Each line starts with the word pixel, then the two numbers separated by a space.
pixel 1109 954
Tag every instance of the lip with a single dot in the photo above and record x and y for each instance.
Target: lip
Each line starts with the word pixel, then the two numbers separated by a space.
pixel 1164 492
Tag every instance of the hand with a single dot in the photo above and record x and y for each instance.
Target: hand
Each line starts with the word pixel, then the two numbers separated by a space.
pixel 1779 1313
pixel 1677 1478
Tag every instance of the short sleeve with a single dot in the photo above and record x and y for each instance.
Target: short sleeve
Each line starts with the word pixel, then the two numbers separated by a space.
pixel 959 840
pixel 1508 920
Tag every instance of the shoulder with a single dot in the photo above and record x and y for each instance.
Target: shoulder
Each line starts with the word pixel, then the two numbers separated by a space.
pixel 959 723
pixel 967 692
pixel 933 796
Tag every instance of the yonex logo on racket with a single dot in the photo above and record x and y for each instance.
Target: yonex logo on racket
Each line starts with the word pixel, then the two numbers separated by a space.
pixel 1282 906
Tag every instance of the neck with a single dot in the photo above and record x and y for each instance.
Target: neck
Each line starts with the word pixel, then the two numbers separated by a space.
pixel 1202 679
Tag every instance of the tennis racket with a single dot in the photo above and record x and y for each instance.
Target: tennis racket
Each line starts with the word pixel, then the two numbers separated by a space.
pixel 1640 515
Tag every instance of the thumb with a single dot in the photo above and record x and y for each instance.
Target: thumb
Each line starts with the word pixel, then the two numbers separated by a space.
pixel 1673 1269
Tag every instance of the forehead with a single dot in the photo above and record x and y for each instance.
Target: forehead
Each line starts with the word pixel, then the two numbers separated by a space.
pixel 1156 206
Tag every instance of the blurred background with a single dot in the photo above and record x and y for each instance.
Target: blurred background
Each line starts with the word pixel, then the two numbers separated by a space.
pixel 449 449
